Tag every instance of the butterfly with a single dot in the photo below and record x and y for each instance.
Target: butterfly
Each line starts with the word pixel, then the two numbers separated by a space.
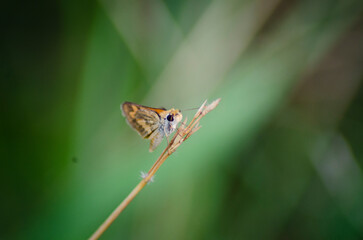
pixel 151 123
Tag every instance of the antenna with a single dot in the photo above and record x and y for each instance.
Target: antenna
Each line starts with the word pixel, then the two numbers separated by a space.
pixel 188 109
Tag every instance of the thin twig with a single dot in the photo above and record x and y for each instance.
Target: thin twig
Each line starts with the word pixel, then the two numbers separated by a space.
pixel 182 134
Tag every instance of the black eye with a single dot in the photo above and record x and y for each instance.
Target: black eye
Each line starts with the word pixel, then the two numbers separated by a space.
pixel 170 118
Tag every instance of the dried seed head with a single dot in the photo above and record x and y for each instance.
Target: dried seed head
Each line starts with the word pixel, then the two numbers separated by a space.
pixel 211 106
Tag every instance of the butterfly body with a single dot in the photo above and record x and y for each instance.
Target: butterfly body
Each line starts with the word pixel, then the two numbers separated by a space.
pixel 151 123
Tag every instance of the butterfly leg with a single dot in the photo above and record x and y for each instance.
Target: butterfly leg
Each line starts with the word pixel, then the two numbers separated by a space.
pixel 167 139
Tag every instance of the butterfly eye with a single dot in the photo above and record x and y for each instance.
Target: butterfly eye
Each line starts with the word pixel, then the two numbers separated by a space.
pixel 170 118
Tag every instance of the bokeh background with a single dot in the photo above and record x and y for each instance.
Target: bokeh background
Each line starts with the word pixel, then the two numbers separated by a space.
pixel 280 157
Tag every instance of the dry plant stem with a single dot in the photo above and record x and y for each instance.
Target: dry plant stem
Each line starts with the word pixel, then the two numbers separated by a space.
pixel 179 137
pixel 118 210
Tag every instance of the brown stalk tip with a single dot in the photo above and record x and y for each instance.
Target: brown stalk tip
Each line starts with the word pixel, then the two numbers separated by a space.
pixel 211 106
pixel 200 108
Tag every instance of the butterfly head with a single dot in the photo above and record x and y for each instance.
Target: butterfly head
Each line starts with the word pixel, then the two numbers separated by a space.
pixel 171 119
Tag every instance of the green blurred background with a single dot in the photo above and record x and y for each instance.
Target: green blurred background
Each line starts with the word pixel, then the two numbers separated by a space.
pixel 280 157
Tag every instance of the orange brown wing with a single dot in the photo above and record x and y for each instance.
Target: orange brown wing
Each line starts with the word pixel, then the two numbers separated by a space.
pixel 144 120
